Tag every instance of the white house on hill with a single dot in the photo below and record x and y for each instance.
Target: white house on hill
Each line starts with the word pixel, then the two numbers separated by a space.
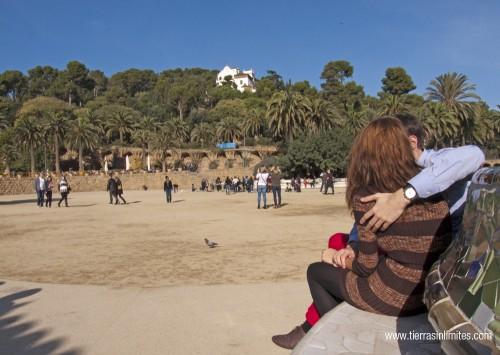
pixel 244 80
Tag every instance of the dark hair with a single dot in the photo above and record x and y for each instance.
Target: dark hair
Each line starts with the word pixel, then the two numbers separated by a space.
pixel 381 159
pixel 413 127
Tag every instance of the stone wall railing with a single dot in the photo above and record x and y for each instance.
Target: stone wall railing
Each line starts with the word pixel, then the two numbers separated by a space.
pixel 25 185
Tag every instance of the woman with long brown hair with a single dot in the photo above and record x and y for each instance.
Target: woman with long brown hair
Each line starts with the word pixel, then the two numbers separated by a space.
pixel 388 272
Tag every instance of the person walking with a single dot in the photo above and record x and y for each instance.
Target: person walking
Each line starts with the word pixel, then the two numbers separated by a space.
pixel 64 190
pixel 40 189
pixel 167 187
pixel 112 189
pixel 250 184
pixel 276 186
pixel 329 181
pixel 119 189
pixel 49 186
pixel 261 178
pixel 322 177
pixel 218 184
pixel 227 185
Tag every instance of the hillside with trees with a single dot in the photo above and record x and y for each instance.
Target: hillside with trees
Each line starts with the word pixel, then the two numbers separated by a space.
pixel 46 112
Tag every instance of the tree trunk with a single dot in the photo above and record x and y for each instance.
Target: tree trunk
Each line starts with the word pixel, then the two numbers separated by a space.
pixel 7 167
pixel 45 157
pixel 80 159
pixel 179 107
pixel 163 166
pixel 32 158
pixel 144 162
pixel 56 151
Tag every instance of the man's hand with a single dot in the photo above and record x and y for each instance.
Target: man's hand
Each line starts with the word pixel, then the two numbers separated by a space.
pixel 387 209
pixel 327 256
pixel 342 255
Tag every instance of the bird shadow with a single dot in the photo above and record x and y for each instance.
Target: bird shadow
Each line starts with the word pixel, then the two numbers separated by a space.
pixel 21 336
pixel 17 202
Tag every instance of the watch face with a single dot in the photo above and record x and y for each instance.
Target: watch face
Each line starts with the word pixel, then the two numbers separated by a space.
pixel 410 193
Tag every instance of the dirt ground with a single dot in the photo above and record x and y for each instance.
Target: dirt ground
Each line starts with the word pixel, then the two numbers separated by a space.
pixel 148 243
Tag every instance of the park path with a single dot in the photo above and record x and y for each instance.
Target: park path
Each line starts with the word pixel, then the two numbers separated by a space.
pixel 45 319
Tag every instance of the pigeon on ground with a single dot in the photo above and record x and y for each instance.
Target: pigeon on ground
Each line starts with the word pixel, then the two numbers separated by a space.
pixel 211 244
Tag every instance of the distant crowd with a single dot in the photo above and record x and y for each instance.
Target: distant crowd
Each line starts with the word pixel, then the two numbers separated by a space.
pixel 265 181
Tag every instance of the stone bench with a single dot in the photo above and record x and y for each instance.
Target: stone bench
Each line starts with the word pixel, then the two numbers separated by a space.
pixel 348 330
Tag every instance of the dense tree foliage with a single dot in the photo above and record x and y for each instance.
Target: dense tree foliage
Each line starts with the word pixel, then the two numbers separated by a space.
pixel 48 111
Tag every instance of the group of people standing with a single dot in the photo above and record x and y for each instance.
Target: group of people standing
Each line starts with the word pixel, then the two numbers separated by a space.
pixel 44 186
pixel 269 182
pixel 115 189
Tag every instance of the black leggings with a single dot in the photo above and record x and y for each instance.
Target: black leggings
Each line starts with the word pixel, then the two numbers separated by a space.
pixel 120 196
pixel 327 286
pixel 48 201
pixel 64 197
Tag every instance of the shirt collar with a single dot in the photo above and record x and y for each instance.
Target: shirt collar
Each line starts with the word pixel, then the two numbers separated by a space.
pixel 421 160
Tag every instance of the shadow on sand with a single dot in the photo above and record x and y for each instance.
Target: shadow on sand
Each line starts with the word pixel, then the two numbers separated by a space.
pixel 17 202
pixel 21 336
pixel 90 205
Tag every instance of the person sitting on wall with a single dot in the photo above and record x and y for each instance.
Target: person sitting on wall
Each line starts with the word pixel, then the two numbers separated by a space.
pixel 390 283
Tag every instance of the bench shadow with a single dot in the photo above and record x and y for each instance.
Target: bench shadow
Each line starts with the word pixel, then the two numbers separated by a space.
pixel 21 336
pixel 17 202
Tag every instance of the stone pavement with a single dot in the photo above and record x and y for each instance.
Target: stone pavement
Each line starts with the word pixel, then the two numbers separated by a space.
pixel 43 319
pixel 347 330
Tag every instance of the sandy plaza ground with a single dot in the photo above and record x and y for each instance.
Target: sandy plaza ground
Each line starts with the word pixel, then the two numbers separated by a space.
pixel 139 279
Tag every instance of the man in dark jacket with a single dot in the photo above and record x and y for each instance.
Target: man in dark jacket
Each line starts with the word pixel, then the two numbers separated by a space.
pixel 112 188
pixel 328 178
pixel 167 187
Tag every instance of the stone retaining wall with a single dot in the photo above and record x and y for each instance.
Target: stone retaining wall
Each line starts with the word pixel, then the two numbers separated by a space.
pixel 25 185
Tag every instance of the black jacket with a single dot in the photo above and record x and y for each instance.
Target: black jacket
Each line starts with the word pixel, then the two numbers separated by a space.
pixel 167 185
pixel 111 185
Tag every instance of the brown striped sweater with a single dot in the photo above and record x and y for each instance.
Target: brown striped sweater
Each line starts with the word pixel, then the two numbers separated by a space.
pixel 390 267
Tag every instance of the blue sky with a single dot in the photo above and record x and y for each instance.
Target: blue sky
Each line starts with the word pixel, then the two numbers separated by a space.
pixel 295 38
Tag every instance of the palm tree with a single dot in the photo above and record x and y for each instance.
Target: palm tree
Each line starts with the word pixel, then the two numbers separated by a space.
pixel 82 134
pixel 28 133
pixel 253 125
pixel 393 104
pixel 162 142
pixel 356 118
pixel 322 116
pixel 456 93
pixel 8 148
pixel 180 130
pixel 57 123
pixel 203 133
pixel 439 123
pixel 121 122
pixel 228 129
pixel 143 135
pixel 287 112
pixel 486 124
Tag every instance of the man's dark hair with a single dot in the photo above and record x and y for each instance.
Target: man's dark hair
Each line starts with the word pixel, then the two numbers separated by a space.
pixel 413 127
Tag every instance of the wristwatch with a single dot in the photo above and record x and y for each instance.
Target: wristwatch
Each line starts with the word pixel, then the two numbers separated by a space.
pixel 410 193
